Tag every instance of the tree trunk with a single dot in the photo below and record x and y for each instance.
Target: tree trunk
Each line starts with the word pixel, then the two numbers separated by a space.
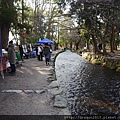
pixel 95 44
pixel 4 35
pixel 104 44
pixel 104 48
pixel 71 45
pixel 105 38
pixel 88 47
pixel 5 25
pixel 112 40
pixel 77 46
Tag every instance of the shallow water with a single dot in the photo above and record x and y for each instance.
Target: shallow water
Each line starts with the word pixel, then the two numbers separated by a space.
pixel 89 89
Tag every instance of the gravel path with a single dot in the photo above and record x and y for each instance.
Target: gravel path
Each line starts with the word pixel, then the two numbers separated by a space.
pixel 27 91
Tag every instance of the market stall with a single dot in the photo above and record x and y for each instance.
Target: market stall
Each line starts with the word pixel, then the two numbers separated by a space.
pixel 4 64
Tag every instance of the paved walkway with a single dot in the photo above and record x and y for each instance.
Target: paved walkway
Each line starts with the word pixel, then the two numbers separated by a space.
pixel 26 93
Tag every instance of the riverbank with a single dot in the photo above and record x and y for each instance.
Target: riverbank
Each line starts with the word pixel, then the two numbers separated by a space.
pixel 89 89
pixel 111 61
pixel 59 100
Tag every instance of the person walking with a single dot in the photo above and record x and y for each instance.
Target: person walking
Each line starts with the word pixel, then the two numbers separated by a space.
pixel 46 52
pixel 21 51
pixel 12 57
pixel 50 52
pixel 41 53
pixel 36 49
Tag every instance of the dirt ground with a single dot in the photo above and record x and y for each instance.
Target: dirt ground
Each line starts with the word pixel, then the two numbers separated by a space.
pixel 30 77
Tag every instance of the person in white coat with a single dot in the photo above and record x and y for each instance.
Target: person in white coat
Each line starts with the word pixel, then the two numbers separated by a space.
pixel 39 51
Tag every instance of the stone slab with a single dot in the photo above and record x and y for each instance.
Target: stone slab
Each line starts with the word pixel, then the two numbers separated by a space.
pixel 39 91
pixel 55 91
pixel 29 91
pixel 12 91
pixel 60 102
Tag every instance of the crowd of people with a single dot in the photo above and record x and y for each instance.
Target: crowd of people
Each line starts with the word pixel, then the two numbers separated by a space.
pixel 44 51
pixel 40 51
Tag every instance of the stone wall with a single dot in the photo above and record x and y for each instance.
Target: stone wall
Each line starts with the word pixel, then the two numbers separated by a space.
pixel 110 62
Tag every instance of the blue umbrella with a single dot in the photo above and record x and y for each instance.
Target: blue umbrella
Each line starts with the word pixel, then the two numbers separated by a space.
pixel 45 40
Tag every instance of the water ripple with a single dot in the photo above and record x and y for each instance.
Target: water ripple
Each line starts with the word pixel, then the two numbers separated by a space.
pixel 89 89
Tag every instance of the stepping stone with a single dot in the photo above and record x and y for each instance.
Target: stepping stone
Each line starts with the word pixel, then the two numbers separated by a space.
pixel 50 80
pixel 29 91
pixel 52 71
pixel 55 91
pixel 50 74
pixel 12 91
pixel 54 84
pixel 39 91
pixel 60 102
pixel 64 111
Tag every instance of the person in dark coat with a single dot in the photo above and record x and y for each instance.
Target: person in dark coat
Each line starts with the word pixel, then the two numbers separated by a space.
pixel 46 52
pixel 21 51
pixel 36 49
pixel 100 46
pixel 12 57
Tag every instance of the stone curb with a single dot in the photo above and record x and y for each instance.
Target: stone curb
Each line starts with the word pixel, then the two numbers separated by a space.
pixel 59 101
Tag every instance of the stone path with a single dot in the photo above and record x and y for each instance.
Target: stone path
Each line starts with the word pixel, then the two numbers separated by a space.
pixel 27 92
